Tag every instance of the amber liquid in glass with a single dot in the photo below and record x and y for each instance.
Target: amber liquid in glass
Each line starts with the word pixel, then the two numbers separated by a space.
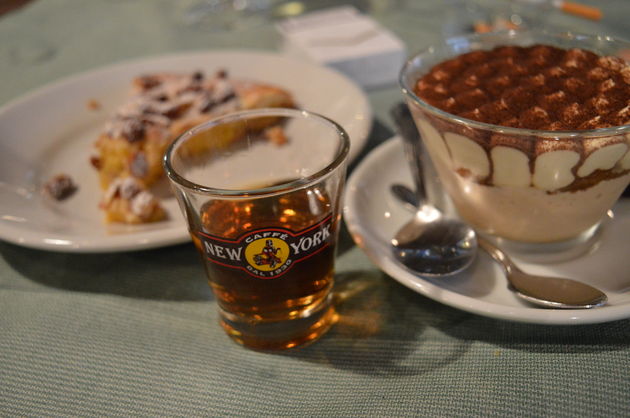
pixel 294 307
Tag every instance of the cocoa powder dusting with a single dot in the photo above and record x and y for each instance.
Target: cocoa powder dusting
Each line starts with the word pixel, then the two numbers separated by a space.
pixel 536 87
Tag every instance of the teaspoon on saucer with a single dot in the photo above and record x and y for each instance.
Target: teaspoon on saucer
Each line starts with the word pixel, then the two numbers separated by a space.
pixel 550 292
pixel 430 244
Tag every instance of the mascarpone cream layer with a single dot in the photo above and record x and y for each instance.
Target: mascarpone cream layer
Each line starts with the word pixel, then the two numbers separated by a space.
pixel 523 197
pixel 529 214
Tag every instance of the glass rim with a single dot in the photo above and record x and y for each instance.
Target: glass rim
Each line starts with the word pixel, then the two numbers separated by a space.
pixel 506 130
pixel 340 156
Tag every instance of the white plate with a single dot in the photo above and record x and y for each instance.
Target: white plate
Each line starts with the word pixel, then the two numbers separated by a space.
pixel 373 215
pixel 51 131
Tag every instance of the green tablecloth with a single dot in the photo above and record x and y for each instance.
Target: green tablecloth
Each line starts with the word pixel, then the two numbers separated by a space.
pixel 136 333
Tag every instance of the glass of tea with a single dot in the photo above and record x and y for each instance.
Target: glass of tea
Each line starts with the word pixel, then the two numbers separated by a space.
pixel 260 191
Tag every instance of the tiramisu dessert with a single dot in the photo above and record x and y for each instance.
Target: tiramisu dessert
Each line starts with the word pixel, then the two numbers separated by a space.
pixel 557 174
pixel 162 106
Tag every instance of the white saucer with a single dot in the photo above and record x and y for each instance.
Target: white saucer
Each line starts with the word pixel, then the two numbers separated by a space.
pixel 52 131
pixel 373 215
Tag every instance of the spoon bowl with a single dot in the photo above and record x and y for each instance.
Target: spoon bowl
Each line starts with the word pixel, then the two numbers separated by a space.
pixel 433 245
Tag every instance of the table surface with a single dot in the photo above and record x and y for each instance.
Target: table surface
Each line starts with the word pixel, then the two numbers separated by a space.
pixel 136 333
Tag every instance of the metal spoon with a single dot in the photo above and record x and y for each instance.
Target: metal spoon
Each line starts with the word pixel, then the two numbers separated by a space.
pixel 429 244
pixel 548 292
pixel 551 292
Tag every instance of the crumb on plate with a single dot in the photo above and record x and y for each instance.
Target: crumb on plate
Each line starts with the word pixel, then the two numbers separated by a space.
pixel 60 187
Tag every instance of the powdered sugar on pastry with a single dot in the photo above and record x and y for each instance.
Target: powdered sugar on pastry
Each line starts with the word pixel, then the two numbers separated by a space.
pixel 162 107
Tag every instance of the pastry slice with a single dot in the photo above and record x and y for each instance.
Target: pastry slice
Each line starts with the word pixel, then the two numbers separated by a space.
pixel 163 106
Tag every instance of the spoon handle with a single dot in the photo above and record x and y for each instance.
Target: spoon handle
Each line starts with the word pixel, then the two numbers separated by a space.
pixel 505 261
pixel 411 140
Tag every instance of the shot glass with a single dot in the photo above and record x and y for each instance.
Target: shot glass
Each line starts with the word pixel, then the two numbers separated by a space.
pixel 261 193
pixel 540 191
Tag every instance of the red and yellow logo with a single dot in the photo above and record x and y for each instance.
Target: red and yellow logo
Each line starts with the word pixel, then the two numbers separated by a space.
pixel 267 253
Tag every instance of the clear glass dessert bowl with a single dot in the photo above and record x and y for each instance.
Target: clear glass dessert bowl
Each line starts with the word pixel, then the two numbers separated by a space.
pixel 546 184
